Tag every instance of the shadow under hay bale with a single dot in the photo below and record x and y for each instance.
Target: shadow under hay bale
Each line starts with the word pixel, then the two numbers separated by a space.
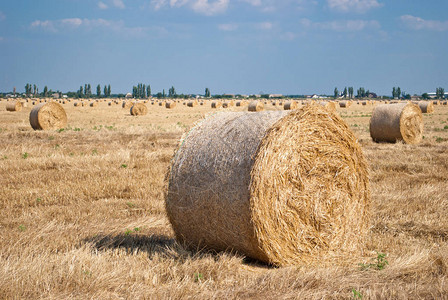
pixel 397 122
pixel 281 187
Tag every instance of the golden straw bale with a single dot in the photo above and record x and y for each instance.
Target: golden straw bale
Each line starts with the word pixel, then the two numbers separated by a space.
pixel 256 106
pixel 170 104
pixel 192 103
pixel 127 104
pixel 427 107
pixel 444 103
pixel 14 106
pixel 48 116
pixel 290 105
pixel 93 104
pixel 328 105
pixel 344 104
pixel 216 104
pixel 139 109
pixel 436 102
pixel 225 104
pixel 394 122
pixel 283 187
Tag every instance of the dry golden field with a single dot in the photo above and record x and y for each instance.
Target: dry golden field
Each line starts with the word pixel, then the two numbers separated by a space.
pixel 82 215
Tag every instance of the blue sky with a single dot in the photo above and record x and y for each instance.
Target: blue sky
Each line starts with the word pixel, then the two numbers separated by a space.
pixel 229 46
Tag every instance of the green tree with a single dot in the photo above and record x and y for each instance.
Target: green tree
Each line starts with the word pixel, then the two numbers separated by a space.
pixel 336 93
pixel 45 91
pixel 98 91
pixel 345 92
pixel 105 91
pixel 80 92
pixel 394 92
pixel 144 91
pixel 425 96
pixel 108 90
pixel 398 92
pixel 171 92
pixel 163 93
pixel 207 93
pixel 148 90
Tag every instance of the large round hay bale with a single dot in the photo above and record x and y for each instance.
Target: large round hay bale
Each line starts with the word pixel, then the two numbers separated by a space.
pixel 139 109
pixel 216 104
pixel 256 106
pixel 282 187
pixel 170 104
pixel 394 122
pixel 427 107
pixel 48 116
pixel 291 105
pixel 14 106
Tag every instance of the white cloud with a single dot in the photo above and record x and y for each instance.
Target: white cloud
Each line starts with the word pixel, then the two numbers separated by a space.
pixel 228 27
pixel 119 4
pixel 204 7
pixel 342 26
pixel 417 23
pixel 253 2
pixel 353 5
pixel 102 5
pixel 209 9
pixel 64 25
pixel 265 25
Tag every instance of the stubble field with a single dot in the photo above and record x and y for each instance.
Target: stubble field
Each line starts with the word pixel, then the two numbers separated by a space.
pixel 82 215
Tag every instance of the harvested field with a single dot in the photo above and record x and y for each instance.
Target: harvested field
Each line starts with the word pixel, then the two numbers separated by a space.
pixel 82 215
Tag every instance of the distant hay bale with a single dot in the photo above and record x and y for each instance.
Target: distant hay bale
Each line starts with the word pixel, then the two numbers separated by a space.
pixel 24 103
pixel 14 106
pixel 344 104
pixel 48 116
pixel 328 105
pixel 291 105
pixel 139 109
pixel 225 105
pixel 395 122
pixel 240 103
pixel 216 104
pixel 436 102
pixel 192 103
pixel 127 104
pixel 109 103
pixel 256 106
pixel 427 107
pixel 444 103
pixel 93 104
pixel 278 186
pixel 170 104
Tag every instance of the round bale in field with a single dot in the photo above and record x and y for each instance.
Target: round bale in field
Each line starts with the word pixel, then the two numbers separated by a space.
pixel 139 109
pixel 48 116
pixel 14 106
pixel 216 104
pixel 93 104
pixel 291 105
pixel 256 106
pixel 170 104
pixel 127 104
pixel 283 187
pixel 394 122
pixel 427 107
pixel 328 105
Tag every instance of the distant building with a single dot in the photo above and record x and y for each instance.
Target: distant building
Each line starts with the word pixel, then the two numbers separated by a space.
pixel 275 95
pixel 128 95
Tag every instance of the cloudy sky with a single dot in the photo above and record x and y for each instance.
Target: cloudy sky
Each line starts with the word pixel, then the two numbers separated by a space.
pixel 229 46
